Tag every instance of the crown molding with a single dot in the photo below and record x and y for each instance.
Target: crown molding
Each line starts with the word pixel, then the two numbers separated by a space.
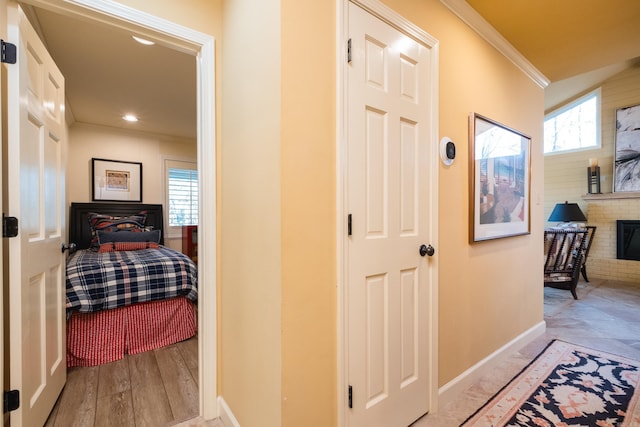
pixel 473 19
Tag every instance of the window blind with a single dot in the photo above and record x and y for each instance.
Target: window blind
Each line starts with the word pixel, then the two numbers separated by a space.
pixel 183 197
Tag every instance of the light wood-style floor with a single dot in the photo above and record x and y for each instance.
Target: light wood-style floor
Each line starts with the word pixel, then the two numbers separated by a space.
pixel 156 388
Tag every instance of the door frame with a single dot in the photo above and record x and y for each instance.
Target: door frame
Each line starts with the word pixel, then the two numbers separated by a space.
pixel 5 284
pixel 202 47
pixel 392 18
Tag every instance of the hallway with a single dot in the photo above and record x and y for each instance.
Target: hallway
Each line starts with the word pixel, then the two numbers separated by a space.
pixel 604 318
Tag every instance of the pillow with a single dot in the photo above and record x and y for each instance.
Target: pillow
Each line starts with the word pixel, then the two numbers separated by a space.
pixel 128 236
pixel 113 223
pixel 127 246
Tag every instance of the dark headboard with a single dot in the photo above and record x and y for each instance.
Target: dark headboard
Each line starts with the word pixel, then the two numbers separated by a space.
pixel 80 233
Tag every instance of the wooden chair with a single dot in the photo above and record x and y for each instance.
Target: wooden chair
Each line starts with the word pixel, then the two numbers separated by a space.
pixel 565 250
pixel 591 232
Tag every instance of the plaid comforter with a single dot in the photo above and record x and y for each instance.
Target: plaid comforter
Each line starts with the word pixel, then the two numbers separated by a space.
pixel 101 281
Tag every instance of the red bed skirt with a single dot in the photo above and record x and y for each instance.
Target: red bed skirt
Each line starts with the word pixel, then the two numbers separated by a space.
pixel 106 336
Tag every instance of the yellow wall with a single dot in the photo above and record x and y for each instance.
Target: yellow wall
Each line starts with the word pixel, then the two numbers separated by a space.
pixel 87 142
pixel 251 222
pixel 489 292
pixel 248 205
pixel 308 167
pixel 566 179
pixel 277 201
pixel 201 15
pixel 277 252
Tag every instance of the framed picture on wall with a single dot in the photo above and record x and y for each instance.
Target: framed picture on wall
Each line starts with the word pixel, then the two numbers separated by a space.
pixel 116 180
pixel 627 157
pixel 500 180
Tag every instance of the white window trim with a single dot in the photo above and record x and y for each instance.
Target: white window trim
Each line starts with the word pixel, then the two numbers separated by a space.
pixel 173 232
pixel 597 93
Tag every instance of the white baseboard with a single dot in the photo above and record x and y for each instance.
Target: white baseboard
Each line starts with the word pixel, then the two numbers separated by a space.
pixel 226 416
pixel 449 391
pixel 462 382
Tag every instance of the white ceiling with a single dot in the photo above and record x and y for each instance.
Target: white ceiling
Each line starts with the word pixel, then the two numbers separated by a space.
pixel 108 74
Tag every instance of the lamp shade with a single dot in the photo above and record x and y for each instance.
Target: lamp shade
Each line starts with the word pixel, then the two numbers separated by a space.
pixel 567 212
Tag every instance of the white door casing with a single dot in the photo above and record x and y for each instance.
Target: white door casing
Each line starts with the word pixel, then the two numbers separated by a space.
pixel 3 35
pixel 390 184
pixel 37 138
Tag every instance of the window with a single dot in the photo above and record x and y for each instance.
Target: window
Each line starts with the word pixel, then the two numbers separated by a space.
pixel 182 193
pixel 575 126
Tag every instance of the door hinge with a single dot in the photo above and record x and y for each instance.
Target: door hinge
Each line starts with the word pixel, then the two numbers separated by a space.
pixel 7 52
pixel 9 226
pixel 349 229
pixel 11 400
pixel 349 51
pixel 350 397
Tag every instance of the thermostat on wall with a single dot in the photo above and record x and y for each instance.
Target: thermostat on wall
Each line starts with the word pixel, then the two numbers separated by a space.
pixel 447 151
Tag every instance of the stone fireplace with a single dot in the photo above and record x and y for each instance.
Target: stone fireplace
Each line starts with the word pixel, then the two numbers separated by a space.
pixel 603 211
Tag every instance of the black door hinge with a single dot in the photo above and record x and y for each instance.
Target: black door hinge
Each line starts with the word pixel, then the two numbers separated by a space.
pixel 9 226
pixel 349 228
pixel 11 400
pixel 7 52
pixel 349 51
pixel 350 397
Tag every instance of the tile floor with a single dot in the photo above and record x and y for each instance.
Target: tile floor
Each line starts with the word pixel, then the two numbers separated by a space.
pixel 606 317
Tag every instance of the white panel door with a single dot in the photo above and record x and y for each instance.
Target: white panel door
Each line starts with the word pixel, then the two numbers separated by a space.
pixel 36 152
pixel 389 127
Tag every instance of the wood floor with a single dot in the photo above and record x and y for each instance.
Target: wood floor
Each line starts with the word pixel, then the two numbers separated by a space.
pixel 156 388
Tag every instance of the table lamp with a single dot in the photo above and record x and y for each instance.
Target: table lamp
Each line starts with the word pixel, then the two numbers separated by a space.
pixel 567 212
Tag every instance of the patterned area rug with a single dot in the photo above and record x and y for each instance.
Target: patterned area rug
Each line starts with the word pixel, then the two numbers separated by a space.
pixel 567 385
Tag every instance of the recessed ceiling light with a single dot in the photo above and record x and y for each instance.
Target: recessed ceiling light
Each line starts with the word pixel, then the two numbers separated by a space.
pixel 143 41
pixel 130 118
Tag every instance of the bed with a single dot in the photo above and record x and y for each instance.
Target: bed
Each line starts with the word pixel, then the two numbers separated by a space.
pixel 126 292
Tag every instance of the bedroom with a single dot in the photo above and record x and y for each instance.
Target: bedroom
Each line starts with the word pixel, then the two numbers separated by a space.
pixel 152 147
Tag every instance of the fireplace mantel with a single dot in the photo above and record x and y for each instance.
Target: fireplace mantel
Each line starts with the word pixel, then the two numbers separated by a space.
pixel 612 196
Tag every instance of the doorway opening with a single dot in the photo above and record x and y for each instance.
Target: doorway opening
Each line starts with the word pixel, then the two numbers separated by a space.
pixel 201 47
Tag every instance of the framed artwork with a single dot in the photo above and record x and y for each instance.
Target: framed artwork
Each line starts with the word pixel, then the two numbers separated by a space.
pixel 116 181
pixel 500 180
pixel 627 157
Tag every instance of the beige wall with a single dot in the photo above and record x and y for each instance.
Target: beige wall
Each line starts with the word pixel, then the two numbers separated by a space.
pixel 277 259
pixel 88 141
pixel 248 206
pixel 308 188
pixel 496 297
pixel 204 16
pixel 251 222
pixel 277 203
pixel 565 179
pixel 201 15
